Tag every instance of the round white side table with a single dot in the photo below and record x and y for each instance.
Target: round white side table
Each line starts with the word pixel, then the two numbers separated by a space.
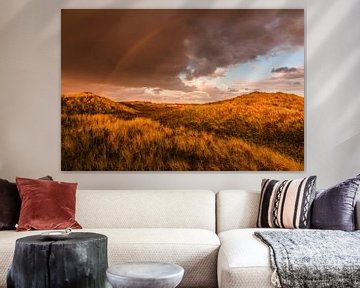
pixel 145 275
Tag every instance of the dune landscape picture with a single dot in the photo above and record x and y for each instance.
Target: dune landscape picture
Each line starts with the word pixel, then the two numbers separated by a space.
pixel 182 90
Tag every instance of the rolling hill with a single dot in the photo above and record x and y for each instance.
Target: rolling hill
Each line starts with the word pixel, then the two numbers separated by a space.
pixel 274 120
pixel 89 103
pixel 257 131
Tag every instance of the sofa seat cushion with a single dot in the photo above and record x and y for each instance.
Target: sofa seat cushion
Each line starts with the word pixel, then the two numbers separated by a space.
pixel 194 249
pixel 244 261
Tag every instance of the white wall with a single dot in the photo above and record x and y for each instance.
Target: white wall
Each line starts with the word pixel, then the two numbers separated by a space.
pixel 30 94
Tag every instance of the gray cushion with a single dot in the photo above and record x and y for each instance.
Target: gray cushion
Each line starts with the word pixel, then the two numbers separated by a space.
pixel 334 208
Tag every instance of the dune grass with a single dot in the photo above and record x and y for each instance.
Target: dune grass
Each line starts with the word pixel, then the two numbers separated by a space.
pixel 274 120
pixel 106 142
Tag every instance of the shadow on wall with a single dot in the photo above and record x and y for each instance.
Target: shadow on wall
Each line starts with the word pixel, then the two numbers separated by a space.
pixel 333 38
pixel 44 12
pixel 340 70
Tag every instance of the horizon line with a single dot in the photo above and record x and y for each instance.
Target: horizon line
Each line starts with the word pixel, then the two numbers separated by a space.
pixel 175 103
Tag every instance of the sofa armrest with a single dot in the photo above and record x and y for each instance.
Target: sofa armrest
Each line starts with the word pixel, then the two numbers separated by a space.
pixel 357 215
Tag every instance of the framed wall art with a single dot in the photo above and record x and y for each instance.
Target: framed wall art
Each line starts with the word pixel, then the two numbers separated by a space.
pixel 182 89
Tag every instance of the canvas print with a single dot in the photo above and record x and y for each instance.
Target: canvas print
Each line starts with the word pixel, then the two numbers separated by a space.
pixel 182 89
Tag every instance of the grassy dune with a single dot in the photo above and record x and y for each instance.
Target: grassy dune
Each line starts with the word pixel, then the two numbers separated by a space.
pixel 255 132
pixel 88 103
pixel 273 120
pixel 105 142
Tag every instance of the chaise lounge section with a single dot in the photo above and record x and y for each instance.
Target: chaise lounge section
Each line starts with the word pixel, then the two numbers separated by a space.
pixel 244 260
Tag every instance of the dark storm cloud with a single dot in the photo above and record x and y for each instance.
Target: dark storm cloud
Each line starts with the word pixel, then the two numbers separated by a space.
pixel 151 48
pixel 241 36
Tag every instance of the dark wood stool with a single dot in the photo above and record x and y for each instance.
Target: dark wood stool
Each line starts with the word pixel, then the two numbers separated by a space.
pixel 78 261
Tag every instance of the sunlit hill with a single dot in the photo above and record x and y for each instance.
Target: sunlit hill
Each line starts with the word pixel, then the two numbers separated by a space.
pixel 257 131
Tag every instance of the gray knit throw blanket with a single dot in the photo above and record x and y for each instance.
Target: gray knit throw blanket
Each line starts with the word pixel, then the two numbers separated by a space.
pixel 313 258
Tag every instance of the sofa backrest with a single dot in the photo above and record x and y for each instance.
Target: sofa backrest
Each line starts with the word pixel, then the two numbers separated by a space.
pixel 236 209
pixel 239 209
pixel 146 209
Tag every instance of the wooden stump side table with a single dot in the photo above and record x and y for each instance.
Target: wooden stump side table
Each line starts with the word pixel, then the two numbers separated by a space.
pixel 78 261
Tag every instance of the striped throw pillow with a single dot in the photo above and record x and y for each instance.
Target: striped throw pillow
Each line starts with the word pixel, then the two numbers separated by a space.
pixel 286 204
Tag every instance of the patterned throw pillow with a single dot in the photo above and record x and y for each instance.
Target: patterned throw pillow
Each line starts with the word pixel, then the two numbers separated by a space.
pixel 286 204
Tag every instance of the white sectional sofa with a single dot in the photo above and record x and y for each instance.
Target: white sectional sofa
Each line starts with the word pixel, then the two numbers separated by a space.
pixel 177 226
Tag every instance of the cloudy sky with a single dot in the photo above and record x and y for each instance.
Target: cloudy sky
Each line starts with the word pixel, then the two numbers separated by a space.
pixel 183 56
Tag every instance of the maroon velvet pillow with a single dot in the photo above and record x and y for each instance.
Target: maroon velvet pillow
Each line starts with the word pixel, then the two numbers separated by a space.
pixel 10 204
pixel 46 204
